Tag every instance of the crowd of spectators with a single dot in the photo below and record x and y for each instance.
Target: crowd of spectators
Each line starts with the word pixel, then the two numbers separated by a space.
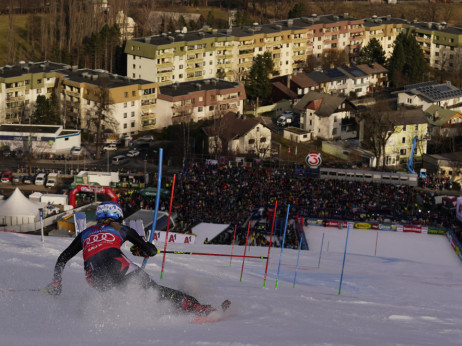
pixel 229 195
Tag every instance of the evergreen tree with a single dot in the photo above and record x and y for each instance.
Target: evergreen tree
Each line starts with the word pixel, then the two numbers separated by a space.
pixel 373 52
pixel 46 111
pixel 407 65
pixel 257 82
pixel 210 21
pixel 297 11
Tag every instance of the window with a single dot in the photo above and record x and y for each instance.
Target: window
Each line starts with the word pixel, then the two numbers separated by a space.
pixel 88 102
pixel 132 124
pixel 402 152
pixel 334 131
pixel 133 93
pixel 403 140
pixel 251 141
pixel 39 81
pixel 126 94
pixel 211 108
pixel 125 126
pixel 200 109
pixel 125 104
pixel 263 140
pixel 404 127
pixel 133 114
pixel 125 115
pixel 133 103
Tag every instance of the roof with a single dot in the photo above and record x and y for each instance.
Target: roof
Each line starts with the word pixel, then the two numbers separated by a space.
pixel 434 91
pixel 372 68
pixel 335 74
pixel 318 77
pixel 18 204
pixel 353 70
pixel 455 156
pixel 100 77
pixel 230 126
pixel 303 81
pixel 180 89
pixel 24 68
pixel 408 116
pixel 49 129
pixel 439 116
pixel 324 104
pixel 280 86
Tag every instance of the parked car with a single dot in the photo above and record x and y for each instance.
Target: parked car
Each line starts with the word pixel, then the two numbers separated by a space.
pixel 7 176
pixel 110 147
pixel 51 179
pixel 76 151
pixel 119 159
pixel 40 179
pixel 17 179
pixel 133 153
pixel 28 180
pixel 6 151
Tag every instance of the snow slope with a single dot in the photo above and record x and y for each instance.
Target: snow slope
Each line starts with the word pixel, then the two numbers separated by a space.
pixel 405 291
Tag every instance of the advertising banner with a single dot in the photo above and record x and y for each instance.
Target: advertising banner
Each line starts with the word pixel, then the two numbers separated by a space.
pixel 174 237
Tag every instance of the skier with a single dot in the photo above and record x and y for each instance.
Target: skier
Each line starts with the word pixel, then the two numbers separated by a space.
pixel 107 267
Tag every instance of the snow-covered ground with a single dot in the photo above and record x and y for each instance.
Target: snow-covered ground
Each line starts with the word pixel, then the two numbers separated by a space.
pixel 406 290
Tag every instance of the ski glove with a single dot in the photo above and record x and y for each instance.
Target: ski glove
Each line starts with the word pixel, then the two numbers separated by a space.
pixel 137 251
pixel 54 288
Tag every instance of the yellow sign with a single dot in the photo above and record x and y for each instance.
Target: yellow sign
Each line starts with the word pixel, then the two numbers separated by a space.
pixel 363 225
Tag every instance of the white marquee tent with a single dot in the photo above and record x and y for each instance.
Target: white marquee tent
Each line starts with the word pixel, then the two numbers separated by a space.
pixel 18 210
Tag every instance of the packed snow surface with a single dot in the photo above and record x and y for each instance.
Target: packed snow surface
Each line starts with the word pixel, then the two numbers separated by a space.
pixel 397 289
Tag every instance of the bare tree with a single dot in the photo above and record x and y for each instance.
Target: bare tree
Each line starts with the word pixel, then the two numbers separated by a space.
pixel 12 42
pixel 100 118
pixel 183 114
pixel 379 124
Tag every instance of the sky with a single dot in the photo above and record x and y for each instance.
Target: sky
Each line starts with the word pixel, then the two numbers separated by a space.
pixel 397 289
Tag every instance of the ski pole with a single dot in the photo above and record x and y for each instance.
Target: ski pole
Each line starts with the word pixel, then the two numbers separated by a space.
pixel 208 254
pixel 168 224
pixel 154 221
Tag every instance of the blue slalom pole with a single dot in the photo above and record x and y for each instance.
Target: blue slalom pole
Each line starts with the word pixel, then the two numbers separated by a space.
pixel 298 256
pixel 320 251
pixel 154 221
pixel 344 256
pixel 282 247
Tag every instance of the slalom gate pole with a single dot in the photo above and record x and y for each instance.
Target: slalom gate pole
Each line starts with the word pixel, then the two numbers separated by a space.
pixel 270 242
pixel 154 221
pixel 298 256
pixel 376 242
pixel 209 254
pixel 282 247
pixel 168 225
pixel 245 248
pixel 344 256
pixel 320 251
pixel 232 248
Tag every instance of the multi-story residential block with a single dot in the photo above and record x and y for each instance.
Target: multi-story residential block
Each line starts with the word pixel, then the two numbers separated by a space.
pixel 385 29
pixel 198 100
pixel 21 84
pixel 131 104
pixel 322 114
pixel 229 53
pixel 430 93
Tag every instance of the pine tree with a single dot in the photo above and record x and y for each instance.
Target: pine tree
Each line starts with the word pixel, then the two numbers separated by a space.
pixel 373 52
pixel 257 82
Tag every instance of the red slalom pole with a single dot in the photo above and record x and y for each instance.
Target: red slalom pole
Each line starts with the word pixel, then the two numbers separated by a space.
pixel 168 225
pixel 245 249
pixel 271 242
pixel 232 248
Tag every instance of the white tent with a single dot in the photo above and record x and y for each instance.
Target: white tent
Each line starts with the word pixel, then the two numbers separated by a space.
pixel 18 210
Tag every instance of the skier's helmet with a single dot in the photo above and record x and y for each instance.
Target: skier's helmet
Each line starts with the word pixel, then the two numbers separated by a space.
pixel 109 210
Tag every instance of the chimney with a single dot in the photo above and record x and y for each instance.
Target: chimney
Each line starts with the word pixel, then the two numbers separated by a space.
pixel 289 77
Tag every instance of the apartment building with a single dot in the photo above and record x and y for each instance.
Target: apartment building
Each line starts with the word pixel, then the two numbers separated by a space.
pixel 21 84
pixel 198 100
pixel 131 103
pixel 229 53
pixel 385 29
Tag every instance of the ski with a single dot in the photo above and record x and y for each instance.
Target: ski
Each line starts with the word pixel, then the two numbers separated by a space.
pixel 214 316
pixel 21 289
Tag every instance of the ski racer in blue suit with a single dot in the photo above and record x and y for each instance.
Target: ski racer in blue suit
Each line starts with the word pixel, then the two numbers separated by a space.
pixel 107 267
